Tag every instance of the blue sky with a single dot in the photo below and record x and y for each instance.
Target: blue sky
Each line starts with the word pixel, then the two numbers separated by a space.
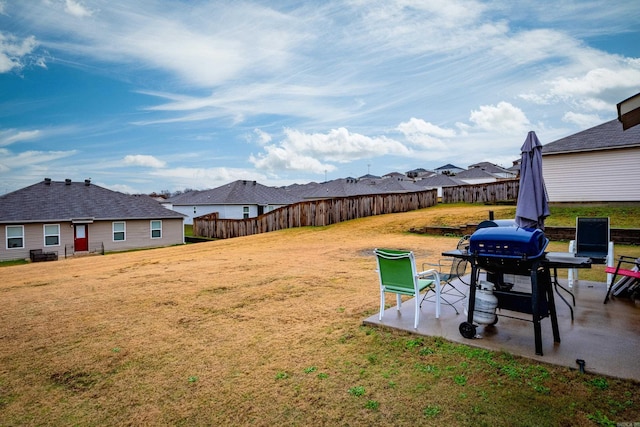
pixel 153 95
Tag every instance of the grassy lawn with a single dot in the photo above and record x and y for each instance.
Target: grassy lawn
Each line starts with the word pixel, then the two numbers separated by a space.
pixel 266 330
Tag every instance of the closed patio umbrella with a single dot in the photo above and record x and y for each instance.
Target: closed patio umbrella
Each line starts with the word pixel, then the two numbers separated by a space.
pixel 533 202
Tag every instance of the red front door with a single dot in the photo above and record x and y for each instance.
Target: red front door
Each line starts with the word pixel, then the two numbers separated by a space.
pixel 81 238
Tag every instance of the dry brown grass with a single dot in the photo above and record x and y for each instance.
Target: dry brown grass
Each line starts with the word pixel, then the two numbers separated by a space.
pixel 261 330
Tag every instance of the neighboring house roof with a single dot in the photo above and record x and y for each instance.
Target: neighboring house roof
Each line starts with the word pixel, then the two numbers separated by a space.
pixel 395 186
pixel 341 188
pixel 606 136
pixel 489 167
pixel 369 176
pixel 439 180
pixel 394 175
pixel 66 201
pixel 299 191
pixel 629 112
pixel 419 172
pixel 476 172
pixel 448 166
pixel 240 192
pixel 516 165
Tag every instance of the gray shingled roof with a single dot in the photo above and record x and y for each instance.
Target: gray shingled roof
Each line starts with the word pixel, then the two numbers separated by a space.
pixel 391 185
pixel 62 201
pixel 488 167
pixel 343 187
pixel 240 192
pixel 476 172
pixel 439 180
pixel 606 136
pixel 448 166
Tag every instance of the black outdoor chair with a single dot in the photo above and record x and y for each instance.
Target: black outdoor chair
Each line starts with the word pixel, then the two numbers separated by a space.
pixel 450 282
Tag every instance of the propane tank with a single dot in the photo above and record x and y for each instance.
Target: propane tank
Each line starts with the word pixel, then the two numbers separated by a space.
pixel 484 312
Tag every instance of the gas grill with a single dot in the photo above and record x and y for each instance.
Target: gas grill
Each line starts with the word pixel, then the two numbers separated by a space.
pixel 516 251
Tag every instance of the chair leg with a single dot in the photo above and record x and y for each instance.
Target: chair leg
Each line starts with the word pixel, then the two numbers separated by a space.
pixel 438 295
pixel 610 263
pixel 381 304
pixel 398 302
pixel 460 297
pixel 606 298
pixel 416 312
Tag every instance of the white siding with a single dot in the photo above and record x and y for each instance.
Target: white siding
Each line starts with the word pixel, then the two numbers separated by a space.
pixel 224 211
pixel 597 176
pixel 478 180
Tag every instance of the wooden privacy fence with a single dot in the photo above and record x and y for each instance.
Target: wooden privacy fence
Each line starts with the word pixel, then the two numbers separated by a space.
pixel 314 213
pixel 492 192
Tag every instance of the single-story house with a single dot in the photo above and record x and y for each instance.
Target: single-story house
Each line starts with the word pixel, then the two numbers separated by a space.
pixel 438 182
pixel 599 164
pixel 493 169
pixel 448 169
pixel 68 218
pixel 237 200
pixel 341 187
pixel 476 176
pixel 419 173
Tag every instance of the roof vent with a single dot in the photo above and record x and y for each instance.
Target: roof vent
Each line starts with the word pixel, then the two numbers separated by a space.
pixel 87 182
pixel 67 181
pixel 47 181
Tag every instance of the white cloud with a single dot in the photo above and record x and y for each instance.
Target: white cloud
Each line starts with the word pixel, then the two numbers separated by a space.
pixel 536 45
pixel 278 158
pixel 11 136
pixel 595 82
pixel 143 160
pixel 203 178
pixel 263 137
pixel 77 9
pixel 204 44
pixel 584 121
pixel 501 118
pixel 341 145
pixel 425 134
pixel 312 152
pixel 15 51
pixel 11 161
pixel 588 91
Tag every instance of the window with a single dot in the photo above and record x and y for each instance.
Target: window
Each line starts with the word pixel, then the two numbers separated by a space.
pixel 52 235
pixel 119 231
pixel 245 212
pixel 15 236
pixel 156 229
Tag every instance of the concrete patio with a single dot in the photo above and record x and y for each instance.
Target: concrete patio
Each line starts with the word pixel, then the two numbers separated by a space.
pixel 605 336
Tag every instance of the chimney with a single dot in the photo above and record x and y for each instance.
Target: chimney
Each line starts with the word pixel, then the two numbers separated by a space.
pixel 47 181
pixel 87 182
pixel 67 181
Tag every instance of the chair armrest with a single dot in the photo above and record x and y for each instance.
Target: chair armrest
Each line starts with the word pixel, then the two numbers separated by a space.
pixel 431 272
pixel 623 259
pixel 439 264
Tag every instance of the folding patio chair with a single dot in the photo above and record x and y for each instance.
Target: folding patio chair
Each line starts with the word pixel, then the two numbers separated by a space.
pixel 398 275
pixel 629 268
pixel 592 241
pixel 450 283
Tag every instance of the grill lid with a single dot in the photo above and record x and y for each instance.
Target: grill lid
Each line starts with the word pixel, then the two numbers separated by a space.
pixel 508 242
